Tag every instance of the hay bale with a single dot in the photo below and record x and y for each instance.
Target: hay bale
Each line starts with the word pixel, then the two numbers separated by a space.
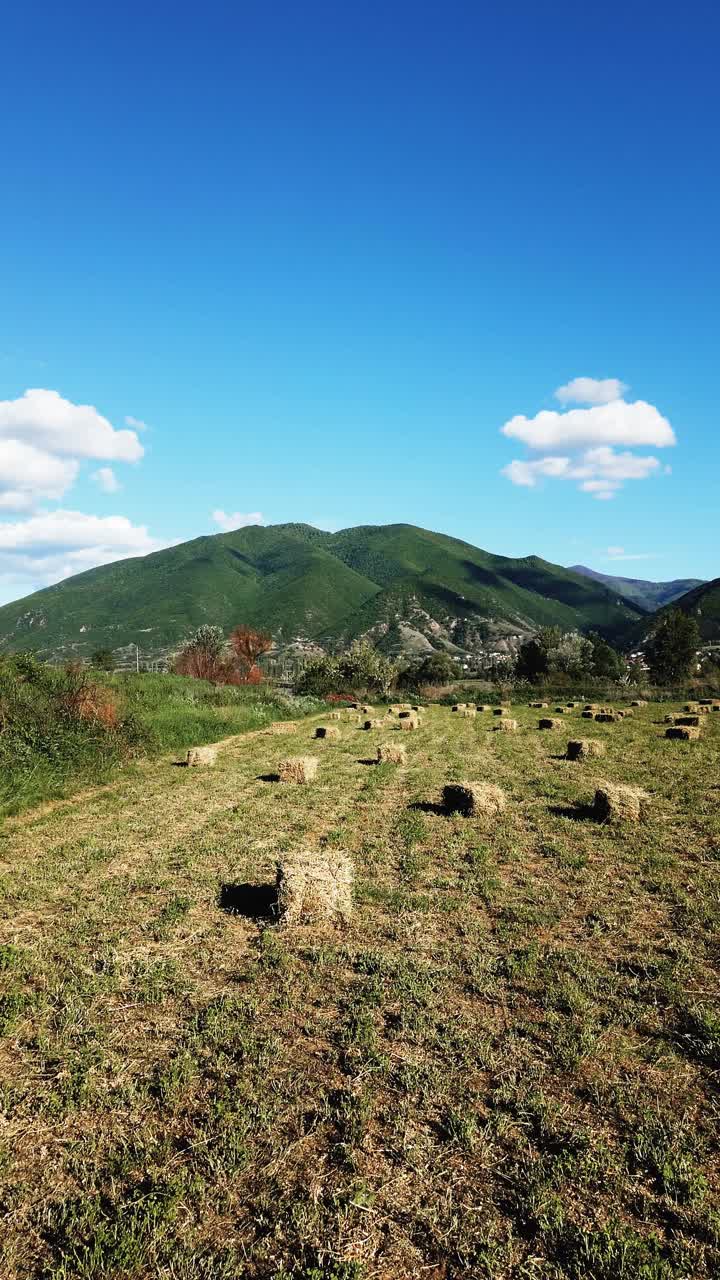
pixel 537 704
pixel 391 753
pixel 559 711
pixel 458 706
pixel 373 724
pixel 469 713
pixel 327 731
pixel 686 732
pixel 715 706
pixel 283 726
pixel 367 711
pixel 201 756
pixel 499 711
pixel 703 709
pixel 617 803
pixel 472 798
pixel 691 706
pixel 548 723
pixel 572 705
pixel 334 715
pixel 693 721
pixel 607 717
pixel 506 726
pixel 409 722
pixel 669 719
pixel 299 769
pixel 705 702
pixel 588 715
pixel 482 706
pixel 405 715
pixel 583 748
pixel 315 888
pixel 638 702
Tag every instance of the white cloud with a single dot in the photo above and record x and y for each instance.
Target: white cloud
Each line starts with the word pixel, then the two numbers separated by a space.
pixel 591 391
pixel 47 421
pixel 28 473
pixel 236 519
pixel 582 444
pixel 601 472
pixel 618 423
pixel 619 553
pixel 136 423
pixel 106 479
pixel 52 545
pixel 43 439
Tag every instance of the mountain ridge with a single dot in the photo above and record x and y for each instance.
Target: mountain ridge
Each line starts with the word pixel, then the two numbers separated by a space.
pixel 305 584
pixel 647 594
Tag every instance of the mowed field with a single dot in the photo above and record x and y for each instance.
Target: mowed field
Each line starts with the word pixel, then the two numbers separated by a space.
pixel 506 1065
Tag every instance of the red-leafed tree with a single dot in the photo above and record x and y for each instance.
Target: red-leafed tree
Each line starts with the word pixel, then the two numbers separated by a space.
pixel 248 645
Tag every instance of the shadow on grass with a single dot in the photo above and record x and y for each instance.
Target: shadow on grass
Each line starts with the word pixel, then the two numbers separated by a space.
pixel 430 806
pixel 268 777
pixel 374 762
pixel 254 901
pixel 179 764
pixel 577 812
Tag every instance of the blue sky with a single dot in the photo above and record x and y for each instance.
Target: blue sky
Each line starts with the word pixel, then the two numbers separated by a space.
pixel 327 252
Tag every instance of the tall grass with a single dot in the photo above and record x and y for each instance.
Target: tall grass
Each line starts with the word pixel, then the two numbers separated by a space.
pixel 61 728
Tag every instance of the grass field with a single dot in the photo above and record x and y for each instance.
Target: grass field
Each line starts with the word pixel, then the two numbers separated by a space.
pixel 507 1065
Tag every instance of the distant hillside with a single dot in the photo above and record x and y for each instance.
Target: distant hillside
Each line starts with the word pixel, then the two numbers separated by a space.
pixel 409 588
pixel 646 595
pixel 702 603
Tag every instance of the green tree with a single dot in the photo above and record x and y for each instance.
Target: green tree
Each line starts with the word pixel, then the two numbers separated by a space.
pixel 671 651
pixel 436 668
pixel 362 669
pixel 605 662
pixel 103 660
pixel 532 660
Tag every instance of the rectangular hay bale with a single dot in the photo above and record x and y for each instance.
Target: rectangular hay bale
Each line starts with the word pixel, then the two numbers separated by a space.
pixel 201 756
pixel 617 803
pixel 391 753
pixel 583 748
pixel 314 887
pixel 327 731
pixel 686 732
pixel 472 798
pixel 300 769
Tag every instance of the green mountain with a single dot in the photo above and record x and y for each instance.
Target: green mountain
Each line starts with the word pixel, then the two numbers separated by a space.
pixel 702 603
pixel 646 595
pixel 410 588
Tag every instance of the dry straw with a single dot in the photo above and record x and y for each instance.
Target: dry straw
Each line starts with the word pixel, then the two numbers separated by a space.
pixel 315 888
pixel 686 732
pixel 283 726
pixel 373 724
pixel 582 748
pixel 607 717
pixel 472 798
pixel 409 721
pixel 616 803
pixel 298 769
pixel 547 722
pixel 693 721
pixel 469 713
pixel 538 704
pixel 506 726
pixel 201 755
pixel 391 753
pixel 327 731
